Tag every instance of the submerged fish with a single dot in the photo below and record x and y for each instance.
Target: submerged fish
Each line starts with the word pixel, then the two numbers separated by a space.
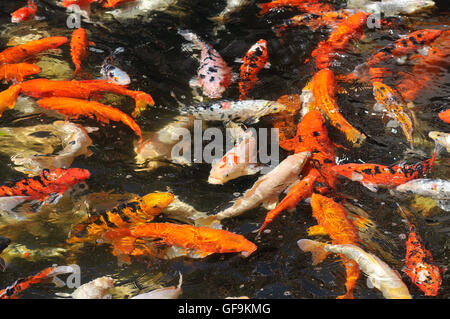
pixel 248 111
pixel 379 274
pixel 48 274
pixel 111 72
pixel 25 13
pixel 78 48
pixel 267 188
pixel 238 161
pixel 214 75
pixel 75 140
pixel 391 7
pixel 163 293
pixel 441 138
pixel 17 72
pixel 435 188
pixel 94 289
pixel 419 262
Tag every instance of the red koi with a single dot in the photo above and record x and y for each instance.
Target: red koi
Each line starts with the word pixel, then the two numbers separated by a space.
pixel 25 13
pixel 78 46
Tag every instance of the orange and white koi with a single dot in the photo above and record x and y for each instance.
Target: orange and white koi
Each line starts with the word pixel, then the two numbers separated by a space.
pixel 254 61
pixel 349 29
pixel 78 48
pixel 379 274
pixel 75 108
pixel 323 88
pixel 214 75
pixel 310 6
pixel 389 99
pixel 25 13
pixel 205 240
pixel 41 88
pixel 373 176
pixel 419 262
pixel 17 72
pixel 445 116
pixel 238 161
pixel 21 52
pixel 267 188
pixel 16 289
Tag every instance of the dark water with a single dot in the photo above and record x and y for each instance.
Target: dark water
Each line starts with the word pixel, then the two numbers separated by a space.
pixel 155 60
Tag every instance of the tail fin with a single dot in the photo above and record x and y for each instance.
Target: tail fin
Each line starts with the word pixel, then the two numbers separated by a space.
pixel 403 212
pixel 315 248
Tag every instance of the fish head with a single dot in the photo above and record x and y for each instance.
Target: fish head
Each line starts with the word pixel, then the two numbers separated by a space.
pixel 114 74
pixel 237 243
pixel 22 14
pixel 418 5
pixel 154 203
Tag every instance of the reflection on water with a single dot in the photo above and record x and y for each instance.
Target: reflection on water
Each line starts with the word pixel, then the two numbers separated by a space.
pixel 156 61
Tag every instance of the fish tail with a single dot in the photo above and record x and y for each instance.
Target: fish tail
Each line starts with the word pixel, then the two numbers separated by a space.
pixel 352 270
pixel 315 248
pixel 403 213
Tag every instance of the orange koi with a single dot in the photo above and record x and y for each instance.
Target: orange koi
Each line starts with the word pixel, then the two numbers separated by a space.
pixel 103 113
pixel 114 3
pixel 17 72
pixel 323 87
pixel 312 136
pixel 39 88
pixel 254 61
pixel 375 175
pixel 300 191
pixel 284 121
pixel 203 239
pixel 419 262
pixel 8 98
pixel 349 29
pixel 332 219
pixel 427 69
pixel 21 52
pixel 310 6
pixel 393 103
pixel 408 44
pixel 78 46
pixel 445 116
pixel 25 13
pixel 16 289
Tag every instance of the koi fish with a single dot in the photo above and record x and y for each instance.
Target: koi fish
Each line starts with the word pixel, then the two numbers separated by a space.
pixel 21 52
pixel 323 87
pixel 203 239
pixel 410 43
pixel 114 74
pixel 74 108
pixel 94 289
pixel 267 188
pixel 8 98
pixel 332 220
pixel 419 262
pixel 114 3
pixel 309 6
pixel 313 21
pixel 379 274
pixel 214 75
pixel 427 69
pixel 25 13
pixel 389 99
pixel 300 191
pixel 163 293
pixel 78 46
pixel 40 88
pixel 373 176
pixel 248 111
pixel 237 162
pixel 156 150
pixel 393 7
pixel 312 136
pixel 445 116
pixel 75 140
pixel 441 138
pixel 349 29
pixel 48 274
pixel 254 61
pixel 434 188
pixel 17 72
pixel 102 226
pixel 233 6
